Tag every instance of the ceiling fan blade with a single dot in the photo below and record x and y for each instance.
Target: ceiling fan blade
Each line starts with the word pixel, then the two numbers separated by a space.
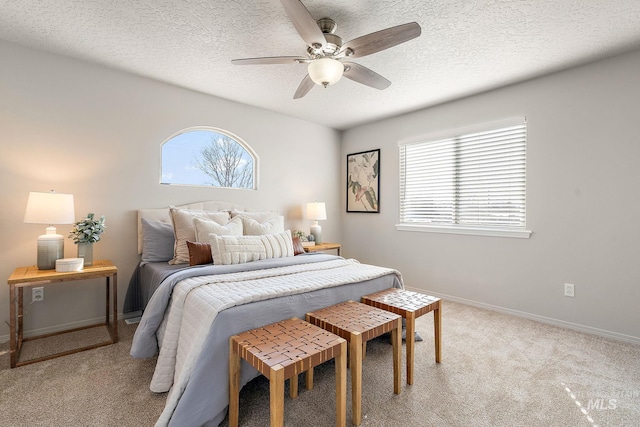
pixel 305 86
pixel 304 23
pixel 381 40
pixel 270 60
pixel 361 74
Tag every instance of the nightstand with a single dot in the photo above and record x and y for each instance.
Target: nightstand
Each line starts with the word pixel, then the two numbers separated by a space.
pixel 323 247
pixel 23 277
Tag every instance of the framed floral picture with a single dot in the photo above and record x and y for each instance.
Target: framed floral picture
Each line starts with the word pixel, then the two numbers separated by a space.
pixel 363 181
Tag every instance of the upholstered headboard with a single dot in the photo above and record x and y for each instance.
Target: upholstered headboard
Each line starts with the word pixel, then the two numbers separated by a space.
pixel 162 214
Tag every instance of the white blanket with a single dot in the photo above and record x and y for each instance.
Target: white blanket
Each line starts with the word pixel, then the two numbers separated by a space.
pixel 197 301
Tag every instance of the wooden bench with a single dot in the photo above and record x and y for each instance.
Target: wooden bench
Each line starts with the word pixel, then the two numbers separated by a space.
pixel 281 351
pixel 358 323
pixel 410 305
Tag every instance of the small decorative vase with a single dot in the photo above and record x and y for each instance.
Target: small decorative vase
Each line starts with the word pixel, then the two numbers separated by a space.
pixel 85 250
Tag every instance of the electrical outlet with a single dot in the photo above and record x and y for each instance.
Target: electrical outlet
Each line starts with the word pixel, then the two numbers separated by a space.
pixel 569 290
pixel 37 294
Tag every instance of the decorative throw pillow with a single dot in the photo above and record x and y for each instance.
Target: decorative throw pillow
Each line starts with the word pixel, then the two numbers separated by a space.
pixel 157 241
pixel 258 216
pixel 199 253
pixel 205 227
pixel 251 227
pixel 184 230
pixel 297 246
pixel 227 250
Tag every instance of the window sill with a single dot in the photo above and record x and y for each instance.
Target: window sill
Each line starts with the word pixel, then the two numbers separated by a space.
pixel 474 231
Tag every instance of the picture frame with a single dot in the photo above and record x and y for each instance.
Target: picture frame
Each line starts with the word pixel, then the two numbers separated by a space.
pixel 363 181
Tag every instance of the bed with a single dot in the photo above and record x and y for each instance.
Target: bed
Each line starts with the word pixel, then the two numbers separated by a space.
pixel 191 311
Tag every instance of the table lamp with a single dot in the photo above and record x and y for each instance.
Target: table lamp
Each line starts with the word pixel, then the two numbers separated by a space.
pixel 316 211
pixel 49 208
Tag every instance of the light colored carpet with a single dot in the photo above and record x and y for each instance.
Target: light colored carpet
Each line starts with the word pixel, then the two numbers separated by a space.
pixel 101 387
pixel 496 370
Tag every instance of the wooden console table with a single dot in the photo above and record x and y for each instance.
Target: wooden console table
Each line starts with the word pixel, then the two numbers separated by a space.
pixel 23 277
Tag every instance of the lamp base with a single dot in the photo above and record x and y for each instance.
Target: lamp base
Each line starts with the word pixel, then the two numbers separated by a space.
pixel 316 231
pixel 50 249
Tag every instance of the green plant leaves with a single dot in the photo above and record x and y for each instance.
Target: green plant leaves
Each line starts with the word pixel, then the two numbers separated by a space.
pixel 88 230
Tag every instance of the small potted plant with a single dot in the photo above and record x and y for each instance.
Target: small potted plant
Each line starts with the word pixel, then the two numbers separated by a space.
pixel 300 235
pixel 305 240
pixel 85 233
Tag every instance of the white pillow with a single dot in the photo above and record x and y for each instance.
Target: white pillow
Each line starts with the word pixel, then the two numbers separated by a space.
pixel 205 227
pixel 258 216
pixel 251 227
pixel 184 230
pixel 227 250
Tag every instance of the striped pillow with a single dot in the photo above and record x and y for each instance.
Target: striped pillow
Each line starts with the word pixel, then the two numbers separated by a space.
pixel 227 250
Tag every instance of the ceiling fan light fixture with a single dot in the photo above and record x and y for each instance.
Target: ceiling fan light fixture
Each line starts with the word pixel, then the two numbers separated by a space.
pixel 325 71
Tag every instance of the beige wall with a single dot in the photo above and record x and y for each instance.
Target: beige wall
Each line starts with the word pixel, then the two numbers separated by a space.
pixel 583 203
pixel 96 133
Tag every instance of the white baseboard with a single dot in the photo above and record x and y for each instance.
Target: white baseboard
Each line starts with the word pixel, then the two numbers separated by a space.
pixel 517 313
pixel 549 320
pixel 64 327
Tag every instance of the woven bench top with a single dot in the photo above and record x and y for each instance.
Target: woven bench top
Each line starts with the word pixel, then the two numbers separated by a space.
pixel 294 344
pixel 351 317
pixel 401 301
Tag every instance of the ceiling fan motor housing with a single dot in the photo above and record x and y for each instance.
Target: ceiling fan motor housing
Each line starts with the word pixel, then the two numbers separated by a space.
pixel 333 41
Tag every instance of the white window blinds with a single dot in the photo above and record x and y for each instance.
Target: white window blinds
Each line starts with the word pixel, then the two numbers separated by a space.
pixel 473 179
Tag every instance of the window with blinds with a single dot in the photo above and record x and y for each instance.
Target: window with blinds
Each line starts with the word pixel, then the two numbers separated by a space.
pixel 472 181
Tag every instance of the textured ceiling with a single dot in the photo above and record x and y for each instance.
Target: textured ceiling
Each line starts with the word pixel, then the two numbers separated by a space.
pixel 466 46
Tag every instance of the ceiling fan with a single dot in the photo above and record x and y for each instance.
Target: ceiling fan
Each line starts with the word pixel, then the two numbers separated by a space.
pixel 326 53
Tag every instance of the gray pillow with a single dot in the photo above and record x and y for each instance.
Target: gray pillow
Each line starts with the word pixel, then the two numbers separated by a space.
pixel 157 241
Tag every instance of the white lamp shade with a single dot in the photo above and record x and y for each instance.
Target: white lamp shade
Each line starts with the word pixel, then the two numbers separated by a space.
pixel 49 208
pixel 325 71
pixel 316 211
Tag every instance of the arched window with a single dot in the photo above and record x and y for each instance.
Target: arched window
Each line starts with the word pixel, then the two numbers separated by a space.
pixel 209 157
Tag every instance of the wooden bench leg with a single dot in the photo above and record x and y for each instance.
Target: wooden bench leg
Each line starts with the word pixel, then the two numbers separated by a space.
pixel 234 384
pixel 411 345
pixel 308 378
pixel 293 387
pixel 276 396
pixel 341 386
pixel 396 336
pixel 437 326
pixel 355 359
